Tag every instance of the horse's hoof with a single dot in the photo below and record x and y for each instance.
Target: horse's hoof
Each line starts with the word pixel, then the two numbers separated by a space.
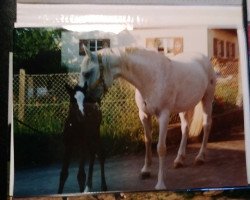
pixel 178 165
pixel 145 175
pixel 160 187
pixel 199 162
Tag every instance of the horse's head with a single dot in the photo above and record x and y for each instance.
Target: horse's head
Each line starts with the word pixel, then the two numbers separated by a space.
pixel 77 96
pixel 90 72
pixel 94 72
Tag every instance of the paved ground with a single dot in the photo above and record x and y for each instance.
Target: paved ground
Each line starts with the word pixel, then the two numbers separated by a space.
pixel 225 166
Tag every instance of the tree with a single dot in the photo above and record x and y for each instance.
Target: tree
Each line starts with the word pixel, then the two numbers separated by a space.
pixel 37 50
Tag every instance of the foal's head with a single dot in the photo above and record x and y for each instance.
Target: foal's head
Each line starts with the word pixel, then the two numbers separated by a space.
pixel 77 96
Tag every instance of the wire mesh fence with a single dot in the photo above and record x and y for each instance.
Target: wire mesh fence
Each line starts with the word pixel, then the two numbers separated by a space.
pixel 41 101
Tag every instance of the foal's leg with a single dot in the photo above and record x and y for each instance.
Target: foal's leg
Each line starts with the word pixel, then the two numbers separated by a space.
pixel 90 172
pixel 81 176
pixel 161 149
pixel 101 156
pixel 179 161
pixel 65 166
pixel 147 125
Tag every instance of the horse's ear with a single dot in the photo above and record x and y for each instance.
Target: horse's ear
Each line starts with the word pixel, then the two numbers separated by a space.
pixel 69 89
pixel 88 52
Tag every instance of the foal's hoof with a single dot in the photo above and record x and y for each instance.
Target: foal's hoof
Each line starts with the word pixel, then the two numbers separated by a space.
pixel 87 189
pixel 145 175
pixel 104 188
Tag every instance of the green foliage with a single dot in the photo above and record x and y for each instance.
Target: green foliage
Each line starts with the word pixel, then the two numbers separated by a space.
pixel 225 96
pixel 37 50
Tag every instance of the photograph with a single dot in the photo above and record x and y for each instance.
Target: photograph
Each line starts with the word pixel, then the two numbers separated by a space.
pixel 148 107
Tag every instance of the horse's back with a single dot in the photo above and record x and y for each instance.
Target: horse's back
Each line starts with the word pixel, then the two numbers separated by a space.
pixel 192 59
pixel 193 73
pixel 195 64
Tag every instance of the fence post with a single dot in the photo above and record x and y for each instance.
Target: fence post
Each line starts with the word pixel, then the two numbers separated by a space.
pixel 21 97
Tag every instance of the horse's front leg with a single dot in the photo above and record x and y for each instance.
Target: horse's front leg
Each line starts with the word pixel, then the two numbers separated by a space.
pixel 179 161
pixel 163 119
pixel 146 122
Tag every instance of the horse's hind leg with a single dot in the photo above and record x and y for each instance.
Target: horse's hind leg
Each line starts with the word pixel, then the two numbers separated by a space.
pixel 207 104
pixel 65 166
pixel 179 161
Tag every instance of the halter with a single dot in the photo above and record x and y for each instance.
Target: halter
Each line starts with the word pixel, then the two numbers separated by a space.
pixel 101 80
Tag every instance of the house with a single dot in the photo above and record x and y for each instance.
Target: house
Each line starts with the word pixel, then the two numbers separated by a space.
pixel 218 43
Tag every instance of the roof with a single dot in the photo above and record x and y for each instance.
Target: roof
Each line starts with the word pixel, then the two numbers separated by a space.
pixel 136 14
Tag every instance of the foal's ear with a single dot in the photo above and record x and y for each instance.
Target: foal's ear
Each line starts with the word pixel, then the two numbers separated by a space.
pixel 88 53
pixel 69 89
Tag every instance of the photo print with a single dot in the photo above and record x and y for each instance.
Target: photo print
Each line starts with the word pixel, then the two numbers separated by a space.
pixel 111 105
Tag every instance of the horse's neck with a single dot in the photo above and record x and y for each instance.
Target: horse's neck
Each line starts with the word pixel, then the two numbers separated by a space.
pixel 137 69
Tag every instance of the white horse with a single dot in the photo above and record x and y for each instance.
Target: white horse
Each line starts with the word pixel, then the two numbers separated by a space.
pixel 162 86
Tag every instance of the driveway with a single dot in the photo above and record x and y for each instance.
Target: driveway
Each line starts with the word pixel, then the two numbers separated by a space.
pixel 225 166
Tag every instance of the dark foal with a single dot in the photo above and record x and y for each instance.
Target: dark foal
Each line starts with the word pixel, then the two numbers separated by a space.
pixel 82 131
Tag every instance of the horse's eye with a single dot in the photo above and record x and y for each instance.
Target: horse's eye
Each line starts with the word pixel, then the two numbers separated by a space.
pixel 87 75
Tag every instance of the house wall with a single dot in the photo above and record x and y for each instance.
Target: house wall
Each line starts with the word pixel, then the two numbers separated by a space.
pixel 194 40
pixel 70 47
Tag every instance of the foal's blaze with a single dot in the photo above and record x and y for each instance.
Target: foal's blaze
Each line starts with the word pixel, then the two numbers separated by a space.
pixel 79 96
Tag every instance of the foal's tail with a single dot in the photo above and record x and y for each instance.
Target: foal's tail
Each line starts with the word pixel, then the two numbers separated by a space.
pixel 195 120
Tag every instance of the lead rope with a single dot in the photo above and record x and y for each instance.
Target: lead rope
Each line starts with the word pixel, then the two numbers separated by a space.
pixel 102 81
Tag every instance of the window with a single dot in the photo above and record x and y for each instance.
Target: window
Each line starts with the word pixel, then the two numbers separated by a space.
pixel 93 45
pixel 218 48
pixel 167 46
pixel 230 50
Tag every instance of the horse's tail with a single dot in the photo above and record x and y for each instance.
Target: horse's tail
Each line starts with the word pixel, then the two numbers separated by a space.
pixel 195 120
